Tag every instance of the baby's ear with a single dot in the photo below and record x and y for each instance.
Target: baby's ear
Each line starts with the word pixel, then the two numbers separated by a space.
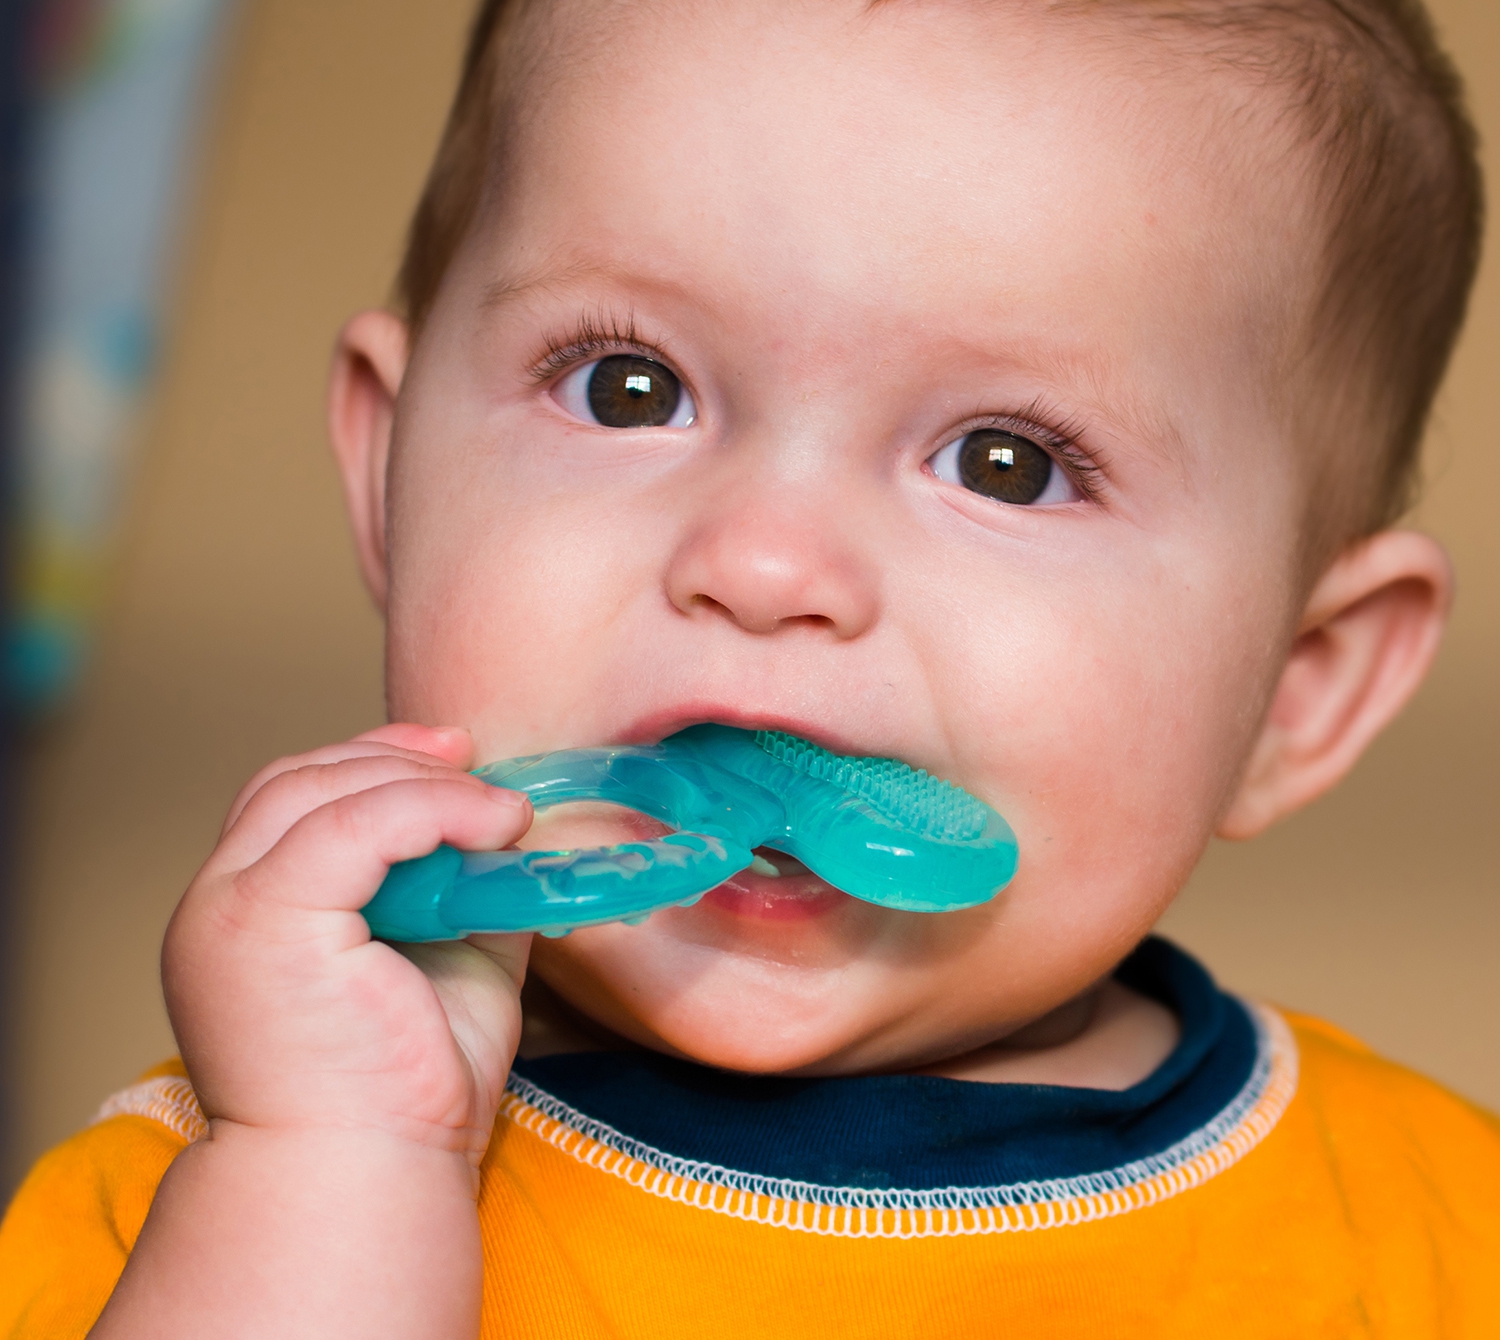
pixel 368 365
pixel 1368 637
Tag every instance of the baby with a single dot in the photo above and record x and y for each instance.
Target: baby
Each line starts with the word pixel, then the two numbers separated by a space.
pixel 1022 389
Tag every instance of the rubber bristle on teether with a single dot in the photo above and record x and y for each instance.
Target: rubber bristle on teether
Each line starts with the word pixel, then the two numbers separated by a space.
pixel 906 796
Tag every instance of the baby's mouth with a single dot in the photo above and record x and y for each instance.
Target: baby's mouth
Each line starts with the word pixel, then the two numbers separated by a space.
pixel 776 887
pixel 774 864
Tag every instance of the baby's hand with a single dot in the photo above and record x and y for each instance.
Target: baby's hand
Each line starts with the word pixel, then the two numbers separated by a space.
pixel 288 1015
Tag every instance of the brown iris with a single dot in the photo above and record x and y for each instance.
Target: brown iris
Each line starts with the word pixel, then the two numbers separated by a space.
pixel 629 392
pixel 1003 466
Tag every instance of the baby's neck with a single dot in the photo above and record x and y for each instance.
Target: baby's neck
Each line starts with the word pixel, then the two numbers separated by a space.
pixel 1110 1037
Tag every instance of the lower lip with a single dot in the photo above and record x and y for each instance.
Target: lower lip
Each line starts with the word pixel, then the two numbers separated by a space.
pixel 791 897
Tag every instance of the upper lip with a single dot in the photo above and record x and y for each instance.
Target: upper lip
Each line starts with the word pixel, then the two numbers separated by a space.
pixel 655 726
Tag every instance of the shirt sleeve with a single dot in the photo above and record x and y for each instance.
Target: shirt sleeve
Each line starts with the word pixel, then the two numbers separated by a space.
pixel 65 1239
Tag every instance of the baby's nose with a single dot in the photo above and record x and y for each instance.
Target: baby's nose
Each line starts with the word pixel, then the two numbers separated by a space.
pixel 765 571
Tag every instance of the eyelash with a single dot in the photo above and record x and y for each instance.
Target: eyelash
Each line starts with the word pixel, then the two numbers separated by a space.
pixel 604 333
pixel 1083 464
pixel 592 336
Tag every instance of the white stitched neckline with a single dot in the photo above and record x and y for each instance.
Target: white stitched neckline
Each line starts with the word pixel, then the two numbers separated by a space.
pixel 1240 1125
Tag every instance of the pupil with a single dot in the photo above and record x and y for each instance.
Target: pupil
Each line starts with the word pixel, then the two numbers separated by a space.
pixel 1003 466
pixel 630 392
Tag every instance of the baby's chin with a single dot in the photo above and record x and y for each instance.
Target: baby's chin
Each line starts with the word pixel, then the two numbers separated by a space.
pixel 777 980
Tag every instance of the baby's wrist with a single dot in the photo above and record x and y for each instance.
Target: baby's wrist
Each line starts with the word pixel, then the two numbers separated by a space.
pixel 360 1231
pixel 371 1155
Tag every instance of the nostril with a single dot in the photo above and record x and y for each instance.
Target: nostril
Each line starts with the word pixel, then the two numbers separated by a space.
pixel 711 606
pixel 759 621
pixel 752 620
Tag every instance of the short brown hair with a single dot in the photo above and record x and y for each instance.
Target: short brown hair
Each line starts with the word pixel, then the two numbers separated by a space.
pixel 1378 100
pixel 455 183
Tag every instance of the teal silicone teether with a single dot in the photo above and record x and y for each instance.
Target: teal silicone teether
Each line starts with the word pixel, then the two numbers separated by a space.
pixel 870 826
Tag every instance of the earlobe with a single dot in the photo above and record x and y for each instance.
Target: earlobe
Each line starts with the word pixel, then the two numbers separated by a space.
pixel 1368 637
pixel 368 365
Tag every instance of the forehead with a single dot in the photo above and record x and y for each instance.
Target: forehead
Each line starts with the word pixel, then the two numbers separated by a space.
pixel 982 173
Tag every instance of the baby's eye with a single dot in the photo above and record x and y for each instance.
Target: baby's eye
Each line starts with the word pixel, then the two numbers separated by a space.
pixel 626 391
pixel 1005 467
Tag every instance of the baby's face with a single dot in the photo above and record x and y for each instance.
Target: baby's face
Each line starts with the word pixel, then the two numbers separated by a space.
pixel 906 381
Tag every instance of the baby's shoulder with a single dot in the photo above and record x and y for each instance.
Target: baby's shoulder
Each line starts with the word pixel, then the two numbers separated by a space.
pixel 1379 1097
pixel 1392 1135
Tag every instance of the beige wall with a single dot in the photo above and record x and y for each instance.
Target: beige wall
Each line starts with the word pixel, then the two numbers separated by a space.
pixel 238 631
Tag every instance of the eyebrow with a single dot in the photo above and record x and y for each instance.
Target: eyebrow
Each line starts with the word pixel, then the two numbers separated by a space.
pixel 1109 395
pixel 502 292
pixel 1100 391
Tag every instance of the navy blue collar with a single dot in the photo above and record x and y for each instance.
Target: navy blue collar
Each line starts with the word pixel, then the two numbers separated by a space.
pixel 918 1132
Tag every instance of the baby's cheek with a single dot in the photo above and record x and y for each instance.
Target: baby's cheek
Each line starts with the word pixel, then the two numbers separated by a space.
pixel 1111 742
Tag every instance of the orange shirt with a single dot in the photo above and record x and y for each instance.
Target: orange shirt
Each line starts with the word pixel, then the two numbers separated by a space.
pixel 1340 1196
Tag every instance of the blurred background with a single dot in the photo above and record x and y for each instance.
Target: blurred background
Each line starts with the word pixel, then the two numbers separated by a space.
pixel 198 612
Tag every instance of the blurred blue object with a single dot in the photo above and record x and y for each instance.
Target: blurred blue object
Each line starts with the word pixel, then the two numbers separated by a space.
pixel 121 86
pixel 15 104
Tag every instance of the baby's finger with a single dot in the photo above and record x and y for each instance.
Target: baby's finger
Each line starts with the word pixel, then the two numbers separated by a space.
pixel 298 791
pixel 467 981
pixel 509 953
pixel 335 857
pixel 452 744
pixel 449 745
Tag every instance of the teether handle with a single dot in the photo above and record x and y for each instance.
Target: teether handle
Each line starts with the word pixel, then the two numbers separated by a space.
pixel 447 894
